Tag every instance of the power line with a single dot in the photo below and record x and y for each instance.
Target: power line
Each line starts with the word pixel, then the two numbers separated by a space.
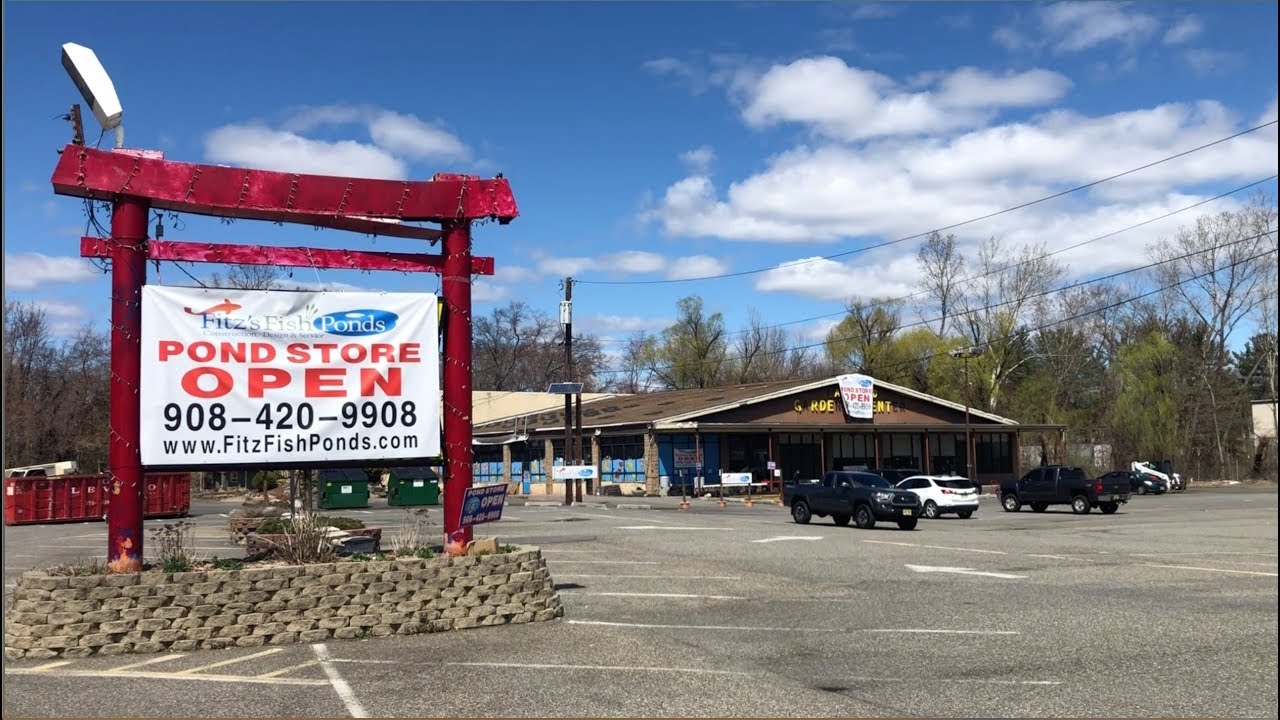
pixel 1046 293
pixel 968 280
pixel 970 221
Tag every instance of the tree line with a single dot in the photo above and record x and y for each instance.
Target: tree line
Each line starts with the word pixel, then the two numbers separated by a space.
pixel 1153 377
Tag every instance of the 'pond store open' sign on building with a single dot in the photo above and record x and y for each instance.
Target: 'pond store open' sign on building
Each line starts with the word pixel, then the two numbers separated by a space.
pixel 259 377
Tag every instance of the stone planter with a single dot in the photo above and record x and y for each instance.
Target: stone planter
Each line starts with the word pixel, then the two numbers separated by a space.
pixel 239 527
pixel 156 612
pixel 261 546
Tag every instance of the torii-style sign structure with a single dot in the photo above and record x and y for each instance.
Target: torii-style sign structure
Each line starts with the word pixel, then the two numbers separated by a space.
pixel 137 181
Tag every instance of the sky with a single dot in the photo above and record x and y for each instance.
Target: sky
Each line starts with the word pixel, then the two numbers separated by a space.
pixel 649 145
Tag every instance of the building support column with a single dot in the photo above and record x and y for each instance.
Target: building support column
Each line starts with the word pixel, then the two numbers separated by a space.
pixel 927 464
pixel 506 471
pixel 651 465
pixel 548 462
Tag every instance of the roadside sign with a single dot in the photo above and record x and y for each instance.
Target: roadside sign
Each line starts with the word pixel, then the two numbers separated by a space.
pixel 482 504
pixel 573 472
pixel 735 478
pixel 773 465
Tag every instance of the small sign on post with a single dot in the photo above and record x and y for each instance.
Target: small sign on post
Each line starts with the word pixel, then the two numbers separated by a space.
pixel 483 503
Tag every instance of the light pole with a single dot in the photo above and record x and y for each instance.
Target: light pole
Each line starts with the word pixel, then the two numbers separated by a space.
pixel 965 354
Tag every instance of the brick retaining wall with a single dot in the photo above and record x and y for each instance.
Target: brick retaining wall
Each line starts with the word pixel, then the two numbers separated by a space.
pixel 153 612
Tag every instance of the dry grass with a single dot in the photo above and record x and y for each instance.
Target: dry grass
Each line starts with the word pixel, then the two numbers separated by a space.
pixel 412 534
pixel 306 542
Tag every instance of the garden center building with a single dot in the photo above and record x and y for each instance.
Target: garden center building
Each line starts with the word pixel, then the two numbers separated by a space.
pixel 788 429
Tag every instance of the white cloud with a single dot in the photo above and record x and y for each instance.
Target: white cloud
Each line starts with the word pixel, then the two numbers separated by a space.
pixel 408 136
pixel 696 266
pixel 1270 113
pixel 64 319
pixel 1069 27
pixel 619 326
pixel 1204 61
pixel 698 161
pixel 485 290
pixel 30 270
pixel 256 145
pixel 899 187
pixel 1076 26
pixel 633 262
pixel 833 280
pixel 396 139
pixel 849 103
pixel 874 11
pixel 1185 29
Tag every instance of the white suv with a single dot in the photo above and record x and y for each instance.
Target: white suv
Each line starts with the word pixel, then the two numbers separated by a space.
pixel 943 494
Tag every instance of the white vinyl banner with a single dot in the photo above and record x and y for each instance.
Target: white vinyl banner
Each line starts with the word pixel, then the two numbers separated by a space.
pixel 858 394
pixel 250 377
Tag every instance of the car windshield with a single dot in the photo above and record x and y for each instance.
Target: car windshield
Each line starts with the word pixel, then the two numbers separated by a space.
pixel 959 484
pixel 874 481
pixel 1072 474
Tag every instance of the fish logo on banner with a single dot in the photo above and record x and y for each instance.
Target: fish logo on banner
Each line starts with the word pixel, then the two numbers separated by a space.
pixel 858 394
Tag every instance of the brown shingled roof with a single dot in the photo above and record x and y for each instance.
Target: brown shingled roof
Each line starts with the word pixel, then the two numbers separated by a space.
pixel 640 409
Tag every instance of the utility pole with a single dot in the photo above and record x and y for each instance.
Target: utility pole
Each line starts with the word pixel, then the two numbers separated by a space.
pixel 967 353
pixel 566 317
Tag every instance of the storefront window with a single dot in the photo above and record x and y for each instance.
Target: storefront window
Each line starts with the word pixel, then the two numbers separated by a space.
pixel 486 464
pixel 993 452
pixel 622 459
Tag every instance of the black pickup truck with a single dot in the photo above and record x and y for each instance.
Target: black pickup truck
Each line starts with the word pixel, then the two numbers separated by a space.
pixel 864 497
pixel 1061 485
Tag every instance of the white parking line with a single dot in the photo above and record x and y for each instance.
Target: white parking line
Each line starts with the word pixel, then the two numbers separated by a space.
pixel 668 527
pixel 653 577
pixel 1205 569
pixel 340 686
pixel 963 681
pixel 683 596
pixel 52 665
pixel 937 547
pixel 291 668
pixel 152 661
pixel 782 538
pixel 145 675
pixel 550 666
pixel 656 626
pixel 607 562
pixel 194 670
pixel 964 571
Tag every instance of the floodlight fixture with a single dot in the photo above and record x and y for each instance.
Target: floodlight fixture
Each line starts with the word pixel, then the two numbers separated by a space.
pixel 95 85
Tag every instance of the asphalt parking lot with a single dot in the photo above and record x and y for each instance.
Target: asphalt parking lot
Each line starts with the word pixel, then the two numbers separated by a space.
pixel 1167 608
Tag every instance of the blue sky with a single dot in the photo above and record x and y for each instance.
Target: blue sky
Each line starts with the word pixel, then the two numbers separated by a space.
pixel 666 140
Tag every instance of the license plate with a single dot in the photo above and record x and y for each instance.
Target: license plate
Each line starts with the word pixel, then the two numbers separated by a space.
pixel 906 511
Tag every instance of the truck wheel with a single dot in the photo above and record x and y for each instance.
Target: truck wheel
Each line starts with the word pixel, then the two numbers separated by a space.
pixel 965 514
pixel 931 509
pixel 1109 507
pixel 800 512
pixel 1080 505
pixel 864 518
pixel 840 520
pixel 908 524
pixel 1011 503
pixel 1039 507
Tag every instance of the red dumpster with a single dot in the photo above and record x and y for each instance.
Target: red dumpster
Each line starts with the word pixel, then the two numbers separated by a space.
pixel 66 498
pixel 167 495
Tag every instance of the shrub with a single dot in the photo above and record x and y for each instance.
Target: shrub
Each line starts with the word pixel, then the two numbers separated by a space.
pixel 304 542
pixel 79 568
pixel 227 564
pixel 174 545
pixel 263 480
pixel 281 526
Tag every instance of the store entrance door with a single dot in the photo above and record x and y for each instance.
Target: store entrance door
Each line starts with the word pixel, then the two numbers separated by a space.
pixel 800 456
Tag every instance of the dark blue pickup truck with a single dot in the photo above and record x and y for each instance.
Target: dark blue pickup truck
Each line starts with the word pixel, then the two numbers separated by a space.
pixel 843 495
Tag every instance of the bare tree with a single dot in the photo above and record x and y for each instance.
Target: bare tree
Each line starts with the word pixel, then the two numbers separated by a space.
pixel 1006 291
pixel 759 353
pixel 248 277
pixel 692 351
pixel 632 377
pixel 518 348
pixel 862 341
pixel 1219 271
pixel 942 267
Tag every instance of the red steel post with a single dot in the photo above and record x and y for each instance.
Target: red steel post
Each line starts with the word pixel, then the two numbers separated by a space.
pixel 124 459
pixel 456 292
